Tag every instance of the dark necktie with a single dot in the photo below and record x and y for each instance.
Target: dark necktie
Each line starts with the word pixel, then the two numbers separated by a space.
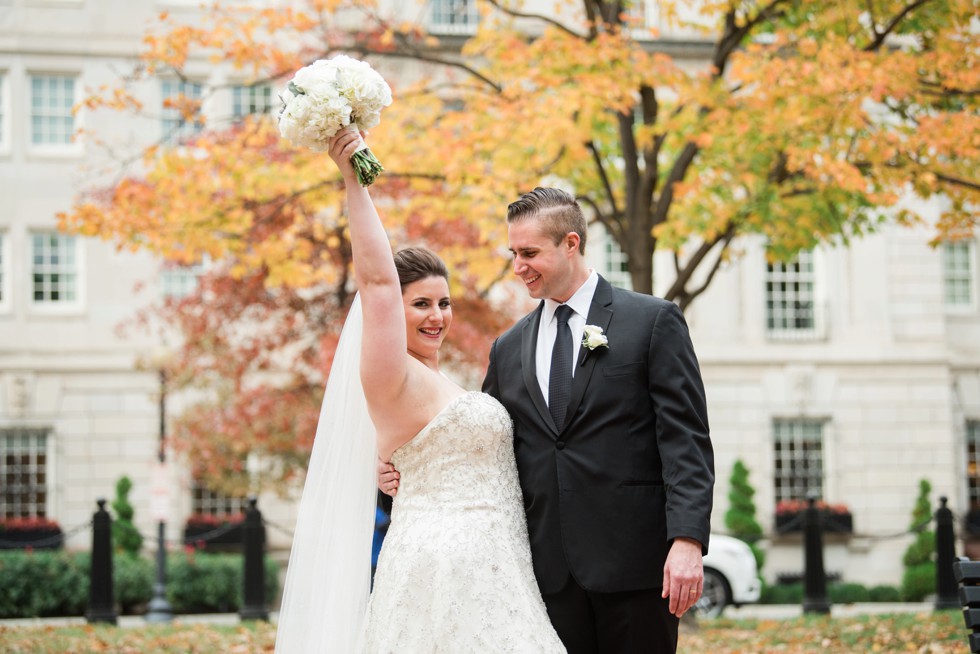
pixel 560 380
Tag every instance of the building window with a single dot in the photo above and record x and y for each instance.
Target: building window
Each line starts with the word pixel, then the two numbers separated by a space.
pixel 4 114
pixel 54 269
pixel 798 454
pixel 454 16
pixel 973 462
pixel 52 120
pixel 636 14
pixel 4 272
pixel 958 273
pixel 180 281
pixel 251 100
pixel 23 473
pixel 207 502
pixel 790 296
pixel 616 269
pixel 176 126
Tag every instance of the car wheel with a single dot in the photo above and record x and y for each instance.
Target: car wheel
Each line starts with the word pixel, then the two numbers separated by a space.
pixel 716 595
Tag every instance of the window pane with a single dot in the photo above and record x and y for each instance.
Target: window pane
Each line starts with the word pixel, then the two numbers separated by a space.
pixel 973 462
pixel 790 297
pixel 798 452
pixel 180 281
pixel 54 277
pixel 3 113
pixel 958 273
pixel 176 127
pixel 617 265
pixel 251 100
pixel 454 15
pixel 52 97
pixel 3 267
pixel 205 501
pixel 23 470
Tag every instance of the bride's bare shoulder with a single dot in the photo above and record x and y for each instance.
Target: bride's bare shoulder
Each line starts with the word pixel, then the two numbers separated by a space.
pixel 400 417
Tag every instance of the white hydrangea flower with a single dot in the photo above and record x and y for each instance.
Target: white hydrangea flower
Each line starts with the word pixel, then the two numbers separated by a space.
pixel 328 95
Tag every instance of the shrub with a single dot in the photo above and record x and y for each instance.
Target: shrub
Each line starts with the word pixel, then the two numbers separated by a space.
pixel 34 584
pixel 740 517
pixel 132 581
pixel 124 533
pixel 918 582
pixel 782 593
pixel 212 583
pixel 884 594
pixel 847 593
pixel 919 578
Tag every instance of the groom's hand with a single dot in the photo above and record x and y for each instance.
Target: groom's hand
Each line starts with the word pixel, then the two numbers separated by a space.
pixel 683 575
pixel 387 478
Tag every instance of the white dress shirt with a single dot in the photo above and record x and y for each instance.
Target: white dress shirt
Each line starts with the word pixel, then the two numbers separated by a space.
pixel 580 302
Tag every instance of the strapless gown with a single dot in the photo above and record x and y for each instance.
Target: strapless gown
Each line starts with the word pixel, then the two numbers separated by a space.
pixel 454 574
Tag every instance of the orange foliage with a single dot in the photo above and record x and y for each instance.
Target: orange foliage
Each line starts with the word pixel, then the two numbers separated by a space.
pixel 808 124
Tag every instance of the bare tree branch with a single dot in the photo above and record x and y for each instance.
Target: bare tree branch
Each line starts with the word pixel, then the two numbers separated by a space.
pixel 612 223
pixel 684 274
pixel 871 17
pixel 965 183
pixel 690 296
pixel 733 35
pixel 546 19
pixel 631 161
pixel 880 37
pixel 418 55
pixel 606 185
pixel 681 164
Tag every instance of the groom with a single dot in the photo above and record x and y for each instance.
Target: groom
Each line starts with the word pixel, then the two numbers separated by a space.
pixel 612 444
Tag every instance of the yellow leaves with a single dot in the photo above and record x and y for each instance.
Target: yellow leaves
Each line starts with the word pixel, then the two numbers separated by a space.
pixel 808 47
pixel 805 119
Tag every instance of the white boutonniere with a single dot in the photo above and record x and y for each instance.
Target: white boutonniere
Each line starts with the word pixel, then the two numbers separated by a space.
pixel 593 338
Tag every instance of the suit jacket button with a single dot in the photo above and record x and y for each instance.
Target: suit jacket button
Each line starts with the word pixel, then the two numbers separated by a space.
pixel 560 445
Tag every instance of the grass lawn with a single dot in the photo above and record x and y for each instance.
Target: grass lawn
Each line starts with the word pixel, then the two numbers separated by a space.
pixel 926 633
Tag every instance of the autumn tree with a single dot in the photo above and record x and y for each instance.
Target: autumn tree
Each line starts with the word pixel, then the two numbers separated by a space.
pixel 806 122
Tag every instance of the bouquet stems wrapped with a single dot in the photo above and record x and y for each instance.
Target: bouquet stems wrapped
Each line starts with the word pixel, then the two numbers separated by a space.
pixel 330 95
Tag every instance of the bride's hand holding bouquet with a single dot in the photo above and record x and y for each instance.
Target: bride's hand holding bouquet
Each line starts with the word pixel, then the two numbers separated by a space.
pixel 331 95
pixel 342 147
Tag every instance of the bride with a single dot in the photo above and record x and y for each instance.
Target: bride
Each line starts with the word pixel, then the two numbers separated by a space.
pixel 455 571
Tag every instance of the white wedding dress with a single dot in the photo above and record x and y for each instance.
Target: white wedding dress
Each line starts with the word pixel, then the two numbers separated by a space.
pixel 454 574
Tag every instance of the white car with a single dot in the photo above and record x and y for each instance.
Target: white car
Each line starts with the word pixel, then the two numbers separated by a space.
pixel 730 576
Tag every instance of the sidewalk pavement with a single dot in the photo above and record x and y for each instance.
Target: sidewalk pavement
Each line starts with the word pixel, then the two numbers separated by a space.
pixel 748 612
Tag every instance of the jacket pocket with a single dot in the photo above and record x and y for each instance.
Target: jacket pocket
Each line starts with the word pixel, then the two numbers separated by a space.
pixel 639 482
pixel 623 369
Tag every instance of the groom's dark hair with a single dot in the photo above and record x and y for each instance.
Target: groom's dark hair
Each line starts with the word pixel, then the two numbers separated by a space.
pixel 558 212
pixel 418 263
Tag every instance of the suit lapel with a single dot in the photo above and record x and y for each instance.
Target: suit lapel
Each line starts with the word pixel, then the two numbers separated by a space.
pixel 529 343
pixel 600 314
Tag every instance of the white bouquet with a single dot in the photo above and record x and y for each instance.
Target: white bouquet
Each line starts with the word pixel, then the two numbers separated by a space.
pixel 330 95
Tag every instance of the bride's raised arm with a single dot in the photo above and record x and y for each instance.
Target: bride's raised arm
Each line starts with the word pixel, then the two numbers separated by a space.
pixel 384 365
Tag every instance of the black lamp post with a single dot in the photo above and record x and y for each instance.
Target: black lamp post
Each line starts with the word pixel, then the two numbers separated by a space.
pixel 159 607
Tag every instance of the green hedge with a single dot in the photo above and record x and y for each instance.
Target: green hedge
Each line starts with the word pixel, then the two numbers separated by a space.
pixel 56 583
pixel 41 584
pixel 212 583
pixel 838 593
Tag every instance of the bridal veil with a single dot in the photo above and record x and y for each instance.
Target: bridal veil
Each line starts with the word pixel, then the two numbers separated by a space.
pixel 328 578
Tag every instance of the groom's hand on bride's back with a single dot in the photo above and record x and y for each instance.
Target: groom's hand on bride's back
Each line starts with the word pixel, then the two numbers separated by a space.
pixel 387 478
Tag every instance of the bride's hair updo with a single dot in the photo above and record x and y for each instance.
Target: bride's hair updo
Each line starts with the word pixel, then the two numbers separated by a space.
pixel 418 263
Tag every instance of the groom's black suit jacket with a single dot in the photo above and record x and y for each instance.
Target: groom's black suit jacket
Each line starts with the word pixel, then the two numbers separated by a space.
pixel 632 467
